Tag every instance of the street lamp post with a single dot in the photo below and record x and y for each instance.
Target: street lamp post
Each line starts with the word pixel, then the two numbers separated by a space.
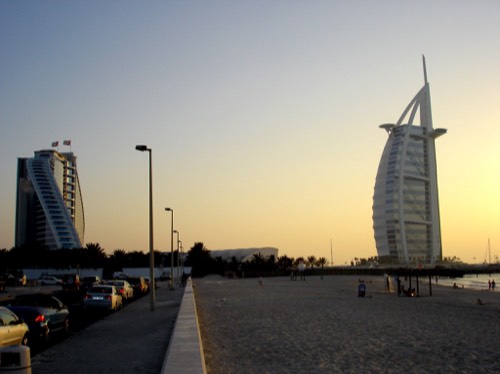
pixel 178 242
pixel 144 148
pixel 179 260
pixel 171 249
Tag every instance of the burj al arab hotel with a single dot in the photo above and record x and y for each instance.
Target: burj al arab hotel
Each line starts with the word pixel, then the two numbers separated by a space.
pixel 406 219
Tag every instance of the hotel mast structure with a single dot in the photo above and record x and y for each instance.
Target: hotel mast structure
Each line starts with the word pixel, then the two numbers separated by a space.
pixel 406 219
pixel 49 207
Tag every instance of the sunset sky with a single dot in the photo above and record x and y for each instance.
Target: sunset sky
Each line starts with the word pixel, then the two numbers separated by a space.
pixel 262 116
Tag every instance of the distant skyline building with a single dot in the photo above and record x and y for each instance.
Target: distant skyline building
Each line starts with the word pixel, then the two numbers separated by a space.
pixel 406 218
pixel 245 254
pixel 49 206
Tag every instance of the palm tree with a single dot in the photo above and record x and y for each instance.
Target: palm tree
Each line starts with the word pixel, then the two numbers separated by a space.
pixel 298 260
pixel 285 263
pixel 119 258
pixel 321 262
pixel 200 260
pixel 311 261
pixel 95 255
pixel 137 259
pixel 258 259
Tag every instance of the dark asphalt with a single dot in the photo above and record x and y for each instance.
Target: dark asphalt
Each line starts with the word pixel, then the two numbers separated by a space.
pixel 132 340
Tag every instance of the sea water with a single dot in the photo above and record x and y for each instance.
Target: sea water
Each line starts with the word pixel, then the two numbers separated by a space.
pixel 474 281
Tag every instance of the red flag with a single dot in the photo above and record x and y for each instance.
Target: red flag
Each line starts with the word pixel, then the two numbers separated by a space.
pixel 55 144
pixel 67 142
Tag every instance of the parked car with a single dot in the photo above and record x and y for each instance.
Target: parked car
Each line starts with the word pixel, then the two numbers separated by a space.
pixel 120 275
pixel 44 314
pixel 123 287
pixel 148 282
pixel 139 285
pixel 3 282
pixel 102 297
pixel 89 281
pixel 47 280
pixel 13 331
pixel 71 282
pixel 15 279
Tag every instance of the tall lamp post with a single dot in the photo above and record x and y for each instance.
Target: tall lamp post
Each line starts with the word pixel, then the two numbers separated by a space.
pixel 144 148
pixel 178 242
pixel 171 249
pixel 179 261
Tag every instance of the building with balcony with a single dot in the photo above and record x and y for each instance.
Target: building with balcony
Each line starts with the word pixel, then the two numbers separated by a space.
pixel 49 207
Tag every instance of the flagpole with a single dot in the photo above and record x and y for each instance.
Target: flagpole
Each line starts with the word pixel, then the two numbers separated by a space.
pixel 67 143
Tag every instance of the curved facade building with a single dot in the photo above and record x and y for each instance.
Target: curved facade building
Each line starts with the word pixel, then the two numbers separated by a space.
pixel 49 206
pixel 406 219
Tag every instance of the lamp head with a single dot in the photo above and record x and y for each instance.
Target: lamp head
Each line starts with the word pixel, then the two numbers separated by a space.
pixel 141 148
pixel 168 209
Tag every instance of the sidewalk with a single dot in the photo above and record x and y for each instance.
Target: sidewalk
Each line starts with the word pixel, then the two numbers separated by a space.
pixel 133 340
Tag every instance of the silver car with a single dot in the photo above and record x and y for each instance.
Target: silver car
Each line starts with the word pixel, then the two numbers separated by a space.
pixel 102 297
pixel 46 280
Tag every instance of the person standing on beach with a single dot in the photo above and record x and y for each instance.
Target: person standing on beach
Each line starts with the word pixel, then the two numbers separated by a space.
pixel 493 285
pixel 489 284
pixel 302 268
pixel 387 283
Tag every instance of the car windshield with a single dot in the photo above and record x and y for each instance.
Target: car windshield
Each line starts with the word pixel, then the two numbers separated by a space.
pixel 45 301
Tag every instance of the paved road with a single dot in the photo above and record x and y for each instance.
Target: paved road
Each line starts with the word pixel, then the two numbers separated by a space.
pixel 133 340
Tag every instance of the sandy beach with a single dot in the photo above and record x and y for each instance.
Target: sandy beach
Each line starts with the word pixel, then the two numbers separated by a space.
pixel 322 326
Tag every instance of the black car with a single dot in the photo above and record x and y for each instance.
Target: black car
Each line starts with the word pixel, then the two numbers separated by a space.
pixel 44 314
pixel 139 285
pixel 90 281
pixel 71 282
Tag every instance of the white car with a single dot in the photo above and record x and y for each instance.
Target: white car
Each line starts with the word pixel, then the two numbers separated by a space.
pixel 102 297
pixel 13 331
pixel 46 280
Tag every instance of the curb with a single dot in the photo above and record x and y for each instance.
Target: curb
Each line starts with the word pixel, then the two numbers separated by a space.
pixel 185 351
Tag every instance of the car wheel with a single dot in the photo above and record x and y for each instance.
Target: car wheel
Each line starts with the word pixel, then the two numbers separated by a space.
pixel 66 326
pixel 45 340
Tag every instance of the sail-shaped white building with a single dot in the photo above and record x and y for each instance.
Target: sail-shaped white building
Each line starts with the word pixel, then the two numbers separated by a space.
pixel 49 206
pixel 406 219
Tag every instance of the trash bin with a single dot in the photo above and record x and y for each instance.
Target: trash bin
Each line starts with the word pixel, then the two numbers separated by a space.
pixel 15 359
pixel 361 290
